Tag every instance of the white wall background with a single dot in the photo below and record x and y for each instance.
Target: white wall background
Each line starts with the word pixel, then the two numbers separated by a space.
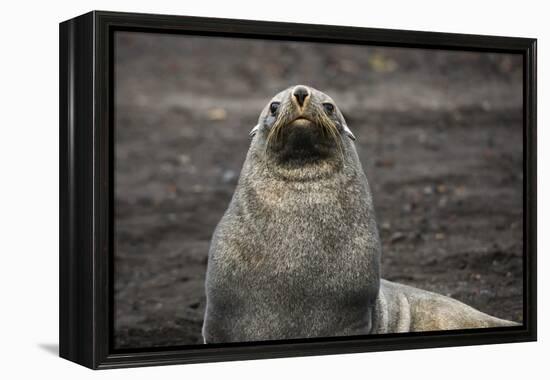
pixel 29 186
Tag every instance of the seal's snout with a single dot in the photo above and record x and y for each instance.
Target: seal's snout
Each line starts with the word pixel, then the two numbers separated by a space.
pixel 300 94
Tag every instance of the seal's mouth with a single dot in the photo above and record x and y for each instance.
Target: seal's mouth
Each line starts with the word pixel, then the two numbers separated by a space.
pixel 302 140
pixel 301 122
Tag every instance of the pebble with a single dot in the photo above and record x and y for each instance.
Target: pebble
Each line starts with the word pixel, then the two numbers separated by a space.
pixel 184 159
pixel 397 236
pixel 217 114
pixel 229 176
pixel 460 191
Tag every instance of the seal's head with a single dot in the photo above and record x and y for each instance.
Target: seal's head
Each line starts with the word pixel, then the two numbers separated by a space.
pixel 301 126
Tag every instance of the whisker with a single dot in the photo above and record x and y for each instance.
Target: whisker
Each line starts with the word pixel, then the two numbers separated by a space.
pixel 328 126
pixel 275 131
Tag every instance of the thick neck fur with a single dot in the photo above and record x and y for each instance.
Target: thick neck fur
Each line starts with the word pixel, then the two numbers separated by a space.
pixel 295 247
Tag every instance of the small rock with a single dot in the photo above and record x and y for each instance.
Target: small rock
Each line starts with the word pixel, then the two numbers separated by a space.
pixel 441 189
pixel 408 207
pixel 385 163
pixel 217 114
pixel 184 159
pixel 381 64
pixel 460 191
pixel 228 176
pixel 385 225
pixel 397 236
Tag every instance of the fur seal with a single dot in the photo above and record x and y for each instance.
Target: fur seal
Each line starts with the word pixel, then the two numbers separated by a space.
pixel 297 253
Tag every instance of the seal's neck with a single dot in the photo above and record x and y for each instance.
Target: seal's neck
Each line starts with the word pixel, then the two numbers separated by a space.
pixel 265 166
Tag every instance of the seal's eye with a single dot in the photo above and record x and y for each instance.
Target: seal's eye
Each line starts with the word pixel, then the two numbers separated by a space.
pixel 329 108
pixel 274 107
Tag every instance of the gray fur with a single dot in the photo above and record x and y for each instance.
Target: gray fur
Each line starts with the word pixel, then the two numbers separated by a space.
pixel 402 308
pixel 297 253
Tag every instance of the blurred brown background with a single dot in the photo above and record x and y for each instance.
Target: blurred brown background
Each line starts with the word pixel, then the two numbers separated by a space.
pixel 439 134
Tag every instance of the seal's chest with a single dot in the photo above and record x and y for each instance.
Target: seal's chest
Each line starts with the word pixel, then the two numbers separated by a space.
pixel 306 237
pixel 285 283
pixel 292 243
pixel 309 258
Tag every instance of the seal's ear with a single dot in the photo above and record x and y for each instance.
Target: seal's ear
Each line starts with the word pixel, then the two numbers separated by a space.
pixel 347 131
pixel 345 127
pixel 254 130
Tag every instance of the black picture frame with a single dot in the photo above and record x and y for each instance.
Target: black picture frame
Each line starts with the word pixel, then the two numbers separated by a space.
pixel 86 188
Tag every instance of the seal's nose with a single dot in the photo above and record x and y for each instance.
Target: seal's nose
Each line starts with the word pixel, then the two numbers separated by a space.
pixel 301 93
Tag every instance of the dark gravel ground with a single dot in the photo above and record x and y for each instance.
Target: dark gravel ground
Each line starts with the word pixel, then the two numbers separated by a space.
pixel 439 134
